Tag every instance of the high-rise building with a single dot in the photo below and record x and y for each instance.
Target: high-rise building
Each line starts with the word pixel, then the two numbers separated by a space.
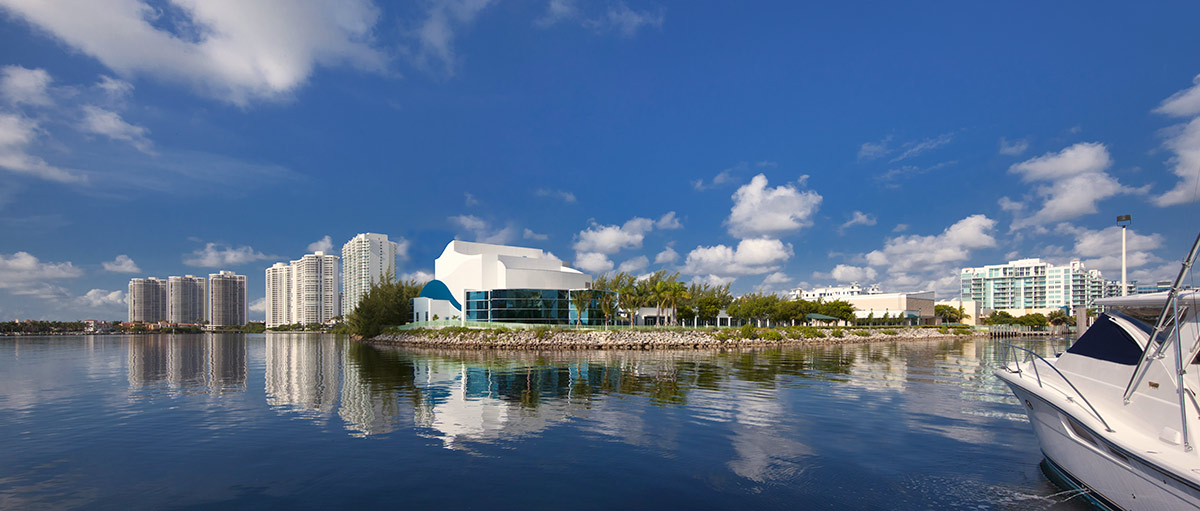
pixel 147 300
pixel 1032 284
pixel 314 288
pixel 279 295
pixel 187 299
pixel 365 259
pixel 227 299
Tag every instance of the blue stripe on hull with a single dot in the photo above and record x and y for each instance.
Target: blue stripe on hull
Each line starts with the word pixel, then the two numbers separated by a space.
pixel 1065 480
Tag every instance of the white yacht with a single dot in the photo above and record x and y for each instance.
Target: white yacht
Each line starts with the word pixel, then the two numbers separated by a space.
pixel 1116 414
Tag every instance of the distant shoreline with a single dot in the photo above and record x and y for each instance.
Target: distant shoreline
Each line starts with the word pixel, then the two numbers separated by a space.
pixel 665 339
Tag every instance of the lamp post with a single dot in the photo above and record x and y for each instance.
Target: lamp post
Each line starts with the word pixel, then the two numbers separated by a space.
pixel 1124 221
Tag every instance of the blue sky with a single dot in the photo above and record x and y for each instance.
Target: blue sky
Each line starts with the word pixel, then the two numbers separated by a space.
pixel 779 146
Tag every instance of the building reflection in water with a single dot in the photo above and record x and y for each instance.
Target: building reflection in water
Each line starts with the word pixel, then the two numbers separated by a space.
pixel 303 373
pixel 185 364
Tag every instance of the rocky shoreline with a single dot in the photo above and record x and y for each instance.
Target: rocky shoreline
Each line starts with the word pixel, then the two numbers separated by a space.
pixel 665 339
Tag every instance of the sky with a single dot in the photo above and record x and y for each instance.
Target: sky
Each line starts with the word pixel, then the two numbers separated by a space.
pixel 774 146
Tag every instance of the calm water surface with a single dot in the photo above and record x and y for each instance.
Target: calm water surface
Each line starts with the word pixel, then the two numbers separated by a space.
pixel 315 421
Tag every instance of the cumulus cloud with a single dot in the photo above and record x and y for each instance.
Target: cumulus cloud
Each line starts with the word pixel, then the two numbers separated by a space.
pixel 848 273
pixel 20 85
pixel 634 265
pixel 122 264
pixel 1184 141
pixel 777 278
pixel 610 239
pixel 530 235
pixel 419 276
pixel 668 255
pixel 564 195
pixel 216 255
pixel 1014 147
pixel 482 231
pixel 1101 249
pixel 730 174
pixel 16 135
pixel 1075 181
pixel 750 257
pixel 259 305
pixel 1185 103
pixel 760 211
pixel 21 269
pixel 927 253
pixel 322 245
pixel 99 121
pixel 668 222
pixel 233 51
pixel 857 218
pixel 593 262
pixel 97 298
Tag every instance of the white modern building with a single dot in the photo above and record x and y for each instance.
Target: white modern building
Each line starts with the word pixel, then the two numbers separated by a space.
pixel 227 299
pixel 485 282
pixel 1032 284
pixel 365 259
pixel 147 300
pixel 278 300
pixel 187 299
pixel 909 308
pixel 314 297
pixel 833 292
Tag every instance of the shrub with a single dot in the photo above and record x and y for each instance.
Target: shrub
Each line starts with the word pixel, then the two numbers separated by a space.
pixel 772 335
pixel 962 331
pixel 748 332
pixel 889 331
pixel 862 333
pixel 943 330
pixel 837 332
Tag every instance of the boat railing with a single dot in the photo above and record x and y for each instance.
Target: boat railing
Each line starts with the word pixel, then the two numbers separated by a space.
pixel 1030 355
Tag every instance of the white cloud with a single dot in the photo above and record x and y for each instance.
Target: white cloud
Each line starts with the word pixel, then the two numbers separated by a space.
pixel 900 228
pixel 712 280
pixel 668 222
pixel 634 265
pixel 230 50
pixel 434 51
pixel 750 257
pixel 927 253
pixel 857 218
pixel 1101 249
pixel 1184 142
pixel 21 85
pixel 102 298
pixel 16 134
pixel 617 17
pixel 566 196
pixel 593 262
pixel 1077 181
pixel 848 273
pixel 723 177
pixel 21 269
pixel 122 264
pixel 874 150
pixel 1014 147
pixel 419 276
pixel 610 239
pixel 114 88
pixel 758 210
pixel 259 305
pixel 322 245
pixel 1185 103
pixel 402 246
pixel 110 124
pixel 482 231
pixel 558 10
pixel 530 235
pixel 776 278
pixel 216 255
pixel 668 255
pixel 470 199
pixel 913 149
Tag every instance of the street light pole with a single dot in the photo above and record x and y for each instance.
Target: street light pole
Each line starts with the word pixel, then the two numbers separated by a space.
pixel 1124 221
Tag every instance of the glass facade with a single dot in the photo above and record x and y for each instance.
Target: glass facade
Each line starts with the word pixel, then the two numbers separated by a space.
pixel 541 306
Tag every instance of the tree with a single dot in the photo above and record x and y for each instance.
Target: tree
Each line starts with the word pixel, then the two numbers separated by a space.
pixel 581 299
pixel 387 303
pixel 1058 317
pixel 947 313
pixel 608 304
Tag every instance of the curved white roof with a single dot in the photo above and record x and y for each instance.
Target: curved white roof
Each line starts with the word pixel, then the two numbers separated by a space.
pixel 1147 300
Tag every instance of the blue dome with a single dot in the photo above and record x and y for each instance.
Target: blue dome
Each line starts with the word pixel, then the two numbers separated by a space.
pixel 437 290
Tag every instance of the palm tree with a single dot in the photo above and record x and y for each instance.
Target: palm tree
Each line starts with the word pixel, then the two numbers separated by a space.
pixel 676 291
pixel 580 298
pixel 608 304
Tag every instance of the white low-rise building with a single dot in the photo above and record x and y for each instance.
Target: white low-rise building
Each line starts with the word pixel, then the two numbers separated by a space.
pixel 486 282
pixel 910 308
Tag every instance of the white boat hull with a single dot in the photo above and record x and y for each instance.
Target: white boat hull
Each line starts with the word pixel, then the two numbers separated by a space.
pixel 1110 476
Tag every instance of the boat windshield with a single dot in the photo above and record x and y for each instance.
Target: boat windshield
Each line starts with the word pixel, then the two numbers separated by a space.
pixel 1106 340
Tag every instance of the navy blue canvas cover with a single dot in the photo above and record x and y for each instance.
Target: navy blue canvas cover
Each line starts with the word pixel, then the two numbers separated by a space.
pixel 1105 340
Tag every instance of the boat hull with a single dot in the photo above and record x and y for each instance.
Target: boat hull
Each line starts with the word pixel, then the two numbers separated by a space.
pixel 1110 476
